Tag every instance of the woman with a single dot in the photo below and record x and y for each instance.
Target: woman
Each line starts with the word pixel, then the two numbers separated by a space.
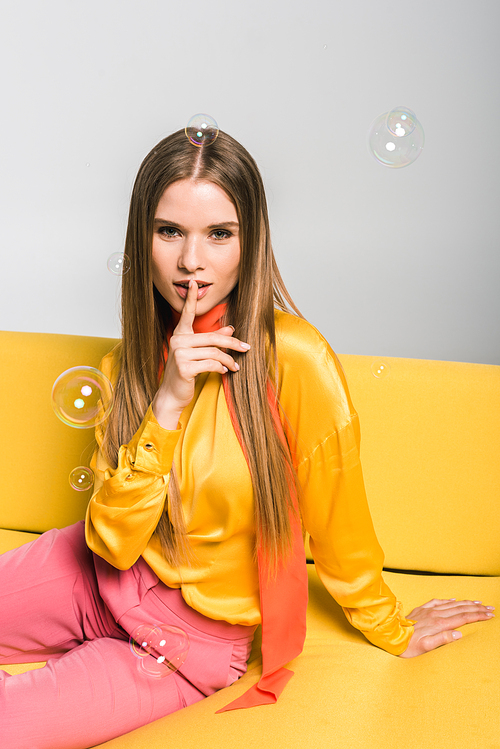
pixel 232 429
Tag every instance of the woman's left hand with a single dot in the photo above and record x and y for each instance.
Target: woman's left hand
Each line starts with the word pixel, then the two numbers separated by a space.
pixel 436 623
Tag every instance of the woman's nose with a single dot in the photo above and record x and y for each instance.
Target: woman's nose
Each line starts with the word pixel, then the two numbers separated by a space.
pixel 192 257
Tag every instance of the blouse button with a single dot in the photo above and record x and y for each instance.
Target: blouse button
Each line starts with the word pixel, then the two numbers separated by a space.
pixel 149 447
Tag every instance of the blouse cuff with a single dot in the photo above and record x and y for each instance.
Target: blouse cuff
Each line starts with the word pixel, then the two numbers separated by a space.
pixel 151 449
pixel 393 635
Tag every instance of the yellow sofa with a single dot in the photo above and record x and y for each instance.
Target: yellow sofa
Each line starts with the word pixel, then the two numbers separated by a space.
pixel 430 451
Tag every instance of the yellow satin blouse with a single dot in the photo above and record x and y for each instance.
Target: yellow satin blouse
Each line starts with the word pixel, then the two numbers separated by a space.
pixel 217 496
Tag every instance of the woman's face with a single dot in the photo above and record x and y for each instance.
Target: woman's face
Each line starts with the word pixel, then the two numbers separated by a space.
pixel 196 235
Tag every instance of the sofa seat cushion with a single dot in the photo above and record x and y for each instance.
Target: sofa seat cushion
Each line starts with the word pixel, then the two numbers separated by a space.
pixel 348 693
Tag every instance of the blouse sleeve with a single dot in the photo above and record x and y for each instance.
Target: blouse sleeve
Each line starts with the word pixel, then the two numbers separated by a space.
pixel 128 500
pixel 323 429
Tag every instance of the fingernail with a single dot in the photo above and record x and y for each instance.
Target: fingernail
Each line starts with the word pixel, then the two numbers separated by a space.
pixel 456 635
pixel 224 368
pixel 246 346
pixel 476 601
pixel 232 327
pixel 492 608
pixel 236 365
pixel 490 613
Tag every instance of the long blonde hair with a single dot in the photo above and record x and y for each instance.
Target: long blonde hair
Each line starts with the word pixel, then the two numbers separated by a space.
pixel 146 317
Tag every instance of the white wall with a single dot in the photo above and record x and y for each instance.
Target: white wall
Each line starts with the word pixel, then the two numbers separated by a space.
pixel 401 262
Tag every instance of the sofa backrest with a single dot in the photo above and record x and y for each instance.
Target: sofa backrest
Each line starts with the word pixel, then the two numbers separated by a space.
pixel 39 451
pixel 430 450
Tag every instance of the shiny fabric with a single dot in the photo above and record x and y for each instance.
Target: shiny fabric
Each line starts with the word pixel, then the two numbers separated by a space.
pixel 323 431
pixel 283 596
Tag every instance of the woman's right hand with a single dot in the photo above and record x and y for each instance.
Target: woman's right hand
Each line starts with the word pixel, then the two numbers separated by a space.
pixel 189 355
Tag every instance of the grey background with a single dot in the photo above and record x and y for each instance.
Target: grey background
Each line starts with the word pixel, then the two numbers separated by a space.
pixel 386 262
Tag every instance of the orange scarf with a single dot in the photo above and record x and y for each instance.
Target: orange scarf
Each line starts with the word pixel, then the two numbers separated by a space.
pixel 283 597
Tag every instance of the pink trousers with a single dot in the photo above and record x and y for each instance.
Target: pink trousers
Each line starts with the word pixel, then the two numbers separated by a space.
pixel 62 604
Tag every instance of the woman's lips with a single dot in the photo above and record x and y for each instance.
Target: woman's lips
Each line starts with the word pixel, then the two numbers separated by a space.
pixel 183 290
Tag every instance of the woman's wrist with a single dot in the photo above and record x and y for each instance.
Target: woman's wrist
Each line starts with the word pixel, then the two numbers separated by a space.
pixel 167 412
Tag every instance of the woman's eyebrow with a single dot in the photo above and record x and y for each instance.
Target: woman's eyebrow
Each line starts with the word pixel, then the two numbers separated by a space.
pixel 167 221
pixel 220 225
pixel 225 225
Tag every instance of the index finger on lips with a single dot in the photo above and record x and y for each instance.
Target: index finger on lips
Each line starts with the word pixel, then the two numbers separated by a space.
pixel 185 324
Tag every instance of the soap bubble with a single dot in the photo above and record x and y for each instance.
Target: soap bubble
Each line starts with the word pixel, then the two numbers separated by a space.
pixel 401 121
pixel 202 130
pixel 118 263
pixel 82 397
pixel 396 138
pixel 380 369
pixel 81 478
pixel 160 648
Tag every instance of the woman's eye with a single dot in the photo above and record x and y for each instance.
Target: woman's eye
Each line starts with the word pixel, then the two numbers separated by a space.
pixel 168 231
pixel 221 234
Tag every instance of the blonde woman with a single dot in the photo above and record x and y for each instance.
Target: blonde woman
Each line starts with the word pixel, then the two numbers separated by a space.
pixel 232 431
